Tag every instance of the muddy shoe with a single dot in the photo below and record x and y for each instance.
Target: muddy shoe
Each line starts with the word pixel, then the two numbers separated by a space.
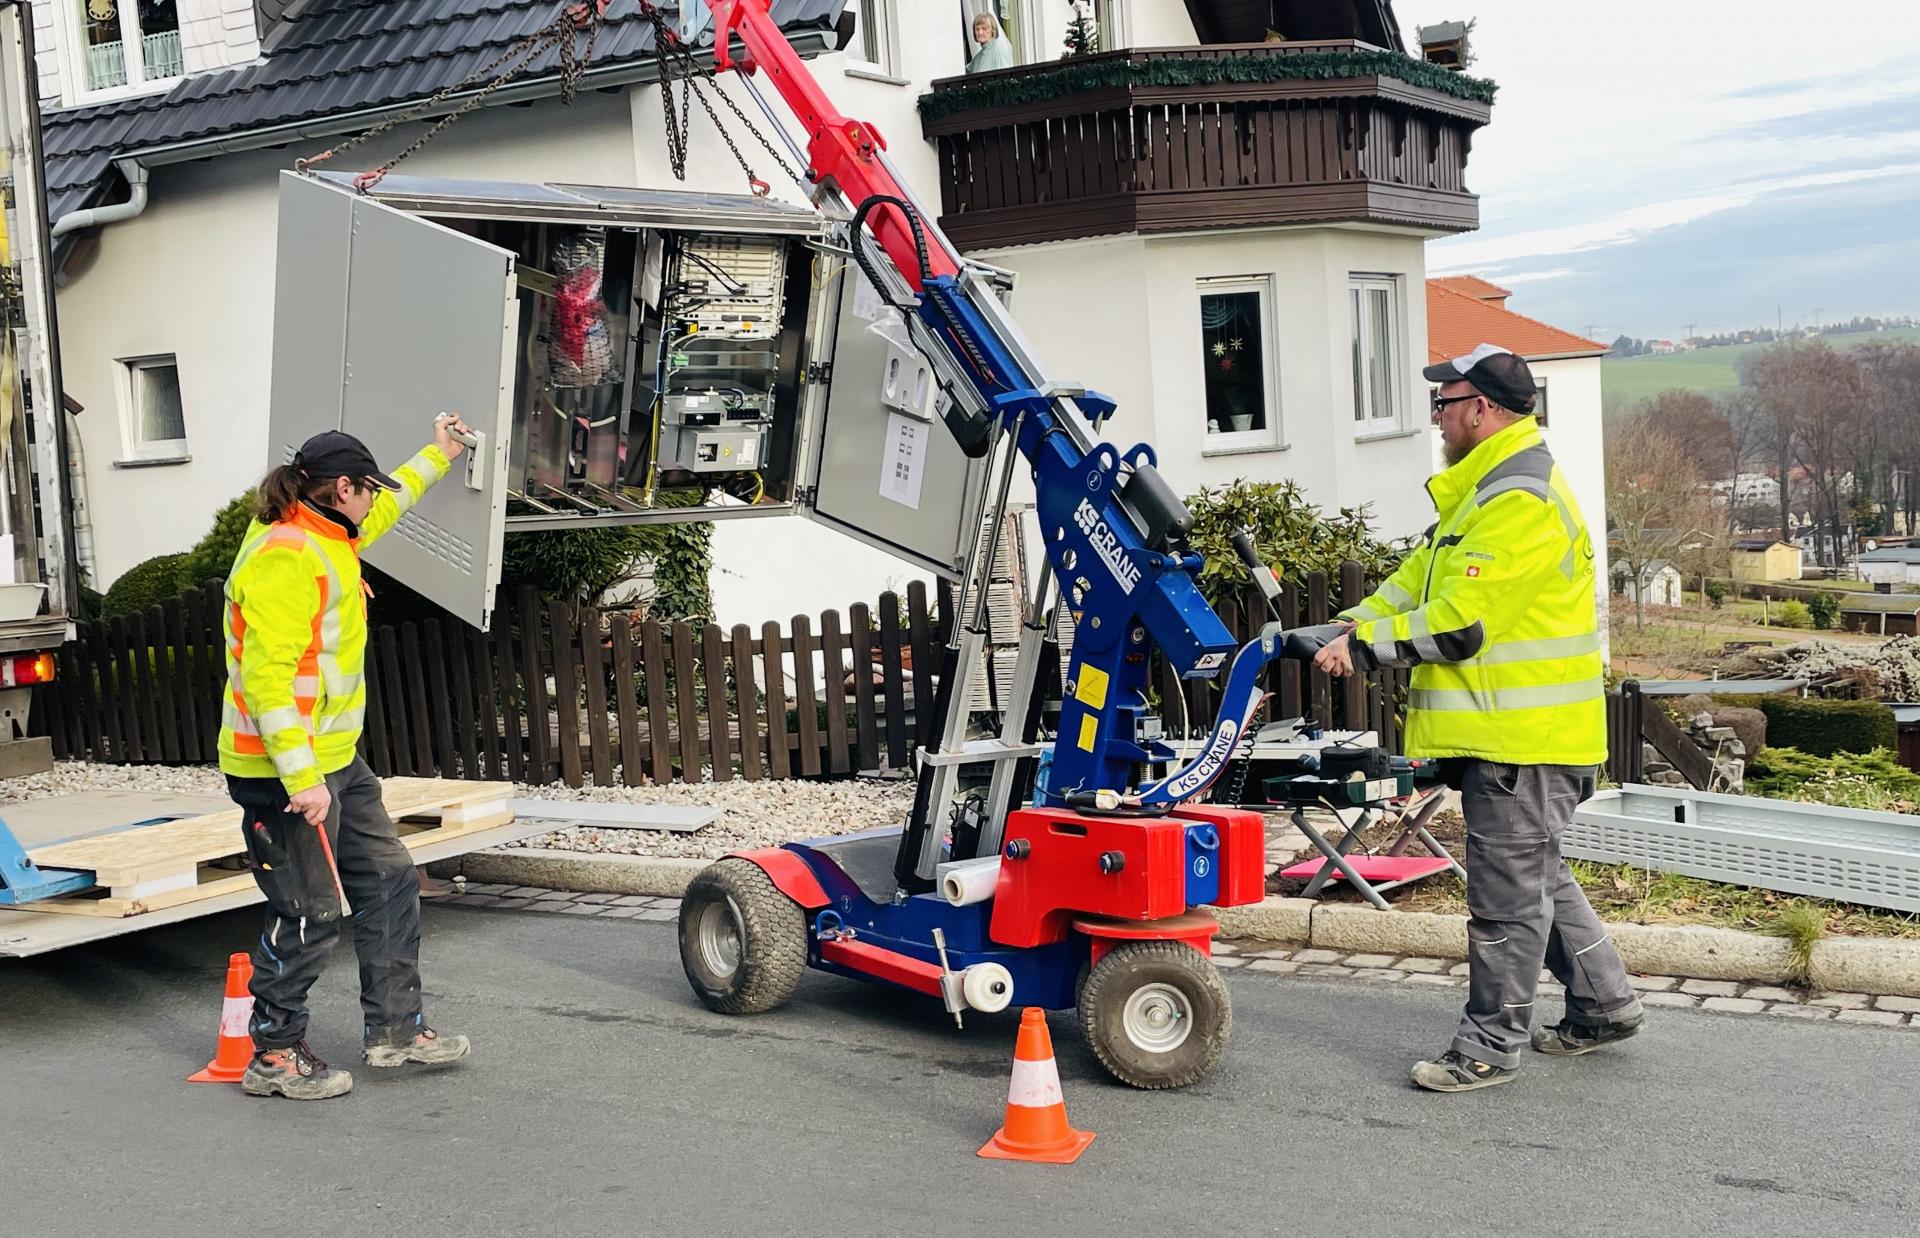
pixel 1455 1072
pixel 429 1048
pixel 1569 1039
pixel 296 1073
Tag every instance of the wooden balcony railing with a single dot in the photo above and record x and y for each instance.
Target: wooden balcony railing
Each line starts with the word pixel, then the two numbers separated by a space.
pixel 1224 136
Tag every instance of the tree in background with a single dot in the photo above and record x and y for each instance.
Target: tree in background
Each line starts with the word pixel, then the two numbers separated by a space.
pixel 1817 395
pixel 1656 502
pixel 1693 419
pixel 1892 376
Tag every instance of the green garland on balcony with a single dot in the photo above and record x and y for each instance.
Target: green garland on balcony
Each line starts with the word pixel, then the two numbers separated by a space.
pixel 1069 77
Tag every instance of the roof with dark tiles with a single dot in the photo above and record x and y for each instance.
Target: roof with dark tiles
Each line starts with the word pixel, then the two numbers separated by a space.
pixel 331 58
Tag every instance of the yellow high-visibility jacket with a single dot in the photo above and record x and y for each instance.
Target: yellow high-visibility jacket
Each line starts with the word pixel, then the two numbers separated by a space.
pixel 1496 615
pixel 296 625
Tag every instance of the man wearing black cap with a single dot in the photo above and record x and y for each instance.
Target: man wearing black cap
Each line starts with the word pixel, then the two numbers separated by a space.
pixel 1495 613
pixel 322 847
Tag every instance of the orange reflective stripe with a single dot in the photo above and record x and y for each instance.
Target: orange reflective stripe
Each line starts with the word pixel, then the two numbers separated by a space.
pixel 249 745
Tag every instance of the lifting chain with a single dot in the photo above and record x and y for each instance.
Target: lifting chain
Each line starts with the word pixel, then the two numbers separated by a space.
pixel 559 36
pixel 672 53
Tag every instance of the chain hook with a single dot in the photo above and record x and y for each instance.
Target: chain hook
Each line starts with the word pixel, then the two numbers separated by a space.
pixel 760 188
pixel 365 182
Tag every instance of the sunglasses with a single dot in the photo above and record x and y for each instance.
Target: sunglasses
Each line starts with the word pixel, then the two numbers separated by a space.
pixel 1440 402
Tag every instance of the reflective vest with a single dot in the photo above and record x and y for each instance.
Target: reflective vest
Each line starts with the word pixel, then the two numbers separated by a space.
pixel 1496 615
pixel 296 625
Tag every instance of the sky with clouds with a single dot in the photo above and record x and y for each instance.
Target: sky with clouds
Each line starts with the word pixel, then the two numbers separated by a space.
pixel 1705 162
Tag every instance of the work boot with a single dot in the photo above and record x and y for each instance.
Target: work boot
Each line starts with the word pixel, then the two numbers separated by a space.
pixel 427 1048
pixel 296 1073
pixel 1569 1039
pixel 1455 1072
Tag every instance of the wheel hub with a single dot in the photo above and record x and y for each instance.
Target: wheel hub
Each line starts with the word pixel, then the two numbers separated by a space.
pixel 1157 1018
pixel 718 934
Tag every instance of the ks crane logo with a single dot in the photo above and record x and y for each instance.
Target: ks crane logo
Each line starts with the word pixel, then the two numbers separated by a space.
pixel 1107 546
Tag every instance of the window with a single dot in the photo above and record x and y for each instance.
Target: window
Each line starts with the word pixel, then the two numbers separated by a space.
pixel 1112 16
pixel 121 43
pixel 875 37
pixel 154 420
pixel 1004 25
pixel 1374 302
pixel 1237 364
pixel 1540 401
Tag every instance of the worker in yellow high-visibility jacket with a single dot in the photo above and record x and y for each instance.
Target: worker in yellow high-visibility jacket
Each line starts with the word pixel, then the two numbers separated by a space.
pixel 1496 615
pixel 321 843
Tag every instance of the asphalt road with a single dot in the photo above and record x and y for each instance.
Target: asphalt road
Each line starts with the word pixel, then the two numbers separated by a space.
pixel 602 1100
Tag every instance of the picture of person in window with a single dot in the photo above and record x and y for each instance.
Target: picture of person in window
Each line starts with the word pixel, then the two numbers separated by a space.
pixel 994 50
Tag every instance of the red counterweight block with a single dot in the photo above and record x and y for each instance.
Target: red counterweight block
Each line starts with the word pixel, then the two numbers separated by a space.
pixel 1057 863
pixel 1243 851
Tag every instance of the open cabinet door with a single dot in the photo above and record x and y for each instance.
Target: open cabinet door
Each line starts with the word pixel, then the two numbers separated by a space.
pixel 383 320
pixel 885 470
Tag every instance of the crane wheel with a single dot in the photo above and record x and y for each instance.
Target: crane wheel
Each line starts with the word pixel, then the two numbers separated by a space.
pixel 742 942
pixel 1156 1014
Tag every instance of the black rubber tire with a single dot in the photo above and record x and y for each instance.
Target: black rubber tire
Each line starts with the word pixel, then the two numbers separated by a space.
pixel 772 932
pixel 1125 971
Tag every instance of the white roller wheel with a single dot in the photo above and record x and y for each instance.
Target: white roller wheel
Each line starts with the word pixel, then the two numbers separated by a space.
pixel 988 987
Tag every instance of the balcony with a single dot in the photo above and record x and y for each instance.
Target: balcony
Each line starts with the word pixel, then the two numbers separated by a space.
pixel 1221 136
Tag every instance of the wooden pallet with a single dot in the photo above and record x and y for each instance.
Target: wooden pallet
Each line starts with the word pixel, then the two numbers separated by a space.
pixel 177 862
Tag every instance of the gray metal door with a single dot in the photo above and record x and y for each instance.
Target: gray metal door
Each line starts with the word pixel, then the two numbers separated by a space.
pixel 382 320
pixel 885 469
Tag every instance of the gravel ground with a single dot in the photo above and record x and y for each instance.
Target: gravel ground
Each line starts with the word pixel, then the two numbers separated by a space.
pixel 754 814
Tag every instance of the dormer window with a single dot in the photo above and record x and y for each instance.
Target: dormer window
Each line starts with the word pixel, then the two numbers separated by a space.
pixel 123 44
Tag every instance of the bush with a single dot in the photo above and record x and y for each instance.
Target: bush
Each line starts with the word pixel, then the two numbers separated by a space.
pixel 1825 608
pixel 92 605
pixel 1792 615
pixel 146 584
pixel 1823 728
pixel 1874 780
pixel 1291 535
pixel 573 564
pixel 1716 593
pixel 212 556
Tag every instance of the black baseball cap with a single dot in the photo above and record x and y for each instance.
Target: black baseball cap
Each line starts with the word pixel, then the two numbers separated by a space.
pixel 1495 372
pixel 335 453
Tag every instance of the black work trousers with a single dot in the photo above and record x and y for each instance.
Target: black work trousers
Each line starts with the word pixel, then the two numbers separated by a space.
pixel 306 874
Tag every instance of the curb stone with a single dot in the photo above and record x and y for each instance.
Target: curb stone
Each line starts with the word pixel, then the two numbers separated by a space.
pixel 580 871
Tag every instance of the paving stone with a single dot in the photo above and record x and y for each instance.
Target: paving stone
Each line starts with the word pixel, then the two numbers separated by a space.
pixel 1448 982
pixel 657 913
pixel 1432 967
pixel 1654 984
pixel 1227 961
pixel 1552 988
pixel 1318 956
pixel 527 891
pixel 596 897
pixel 1841 1001
pixel 1767 993
pixel 1734 1005
pixel 1280 966
pixel 1460 969
pixel 579 909
pixel 1324 969
pixel 514 904
pixel 1901 1005
pixel 668 904
pixel 1224 948
pixel 555 896
pixel 1794 1010
pixel 1883 1018
pixel 1669 999
pixel 635 900
pixel 620 913
pixel 483 900
pixel 487 887
pixel 1710 988
pixel 1274 952
pixel 1368 960
pixel 1378 973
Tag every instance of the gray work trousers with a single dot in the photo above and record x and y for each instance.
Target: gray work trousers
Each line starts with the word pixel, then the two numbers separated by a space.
pixel 1527 910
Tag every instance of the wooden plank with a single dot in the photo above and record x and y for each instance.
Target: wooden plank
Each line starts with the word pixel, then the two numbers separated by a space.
pixel 466 739
pixel 205 675
pixel 440 692
pixel 834 680
pixel 93 693
pixel 899 752
pixel 686 679
pixel 376 747
pixel 1353 591
pixel 566 693
pixel 157 714
pixel 182 719
pixel 752 762
pixel 1316 614
pixel 512 732
pixel 1289 669
pixel 71 740
pixel 713 660
pixel 778 755
pixel 140 724
pixel 922 644
pixel 213 650
pixel 654 654
pixel 399 734
pixel 593 673
pixel 116 680
pixel 625 702
pixel 534 682
pixel 419 722
pixel 806 707
pixel 492 764
pixel 867 754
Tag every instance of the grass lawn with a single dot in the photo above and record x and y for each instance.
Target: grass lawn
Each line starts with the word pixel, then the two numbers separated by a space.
pixel 1706 369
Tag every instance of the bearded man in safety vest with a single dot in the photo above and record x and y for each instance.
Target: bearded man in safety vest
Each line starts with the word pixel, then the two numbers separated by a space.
pixel 321 844
pixel 1495 613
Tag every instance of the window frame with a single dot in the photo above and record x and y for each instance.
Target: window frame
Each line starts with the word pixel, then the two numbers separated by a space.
pixel 136 447
pixel 1026 49
pixel 1270 437
pixel 1368 422
pixel 886 29
pixel 71 33
pixel 1540 401
pixel 1113 17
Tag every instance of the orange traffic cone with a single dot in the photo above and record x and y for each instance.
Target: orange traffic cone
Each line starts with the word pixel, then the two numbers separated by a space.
pixel 1036 1127
pixel 235 1048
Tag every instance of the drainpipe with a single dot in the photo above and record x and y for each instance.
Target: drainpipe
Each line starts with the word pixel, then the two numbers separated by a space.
pixel 82 521
pixel 100 216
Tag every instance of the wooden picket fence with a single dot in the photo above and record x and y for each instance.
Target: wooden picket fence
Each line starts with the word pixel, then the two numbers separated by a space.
pixel 604 698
